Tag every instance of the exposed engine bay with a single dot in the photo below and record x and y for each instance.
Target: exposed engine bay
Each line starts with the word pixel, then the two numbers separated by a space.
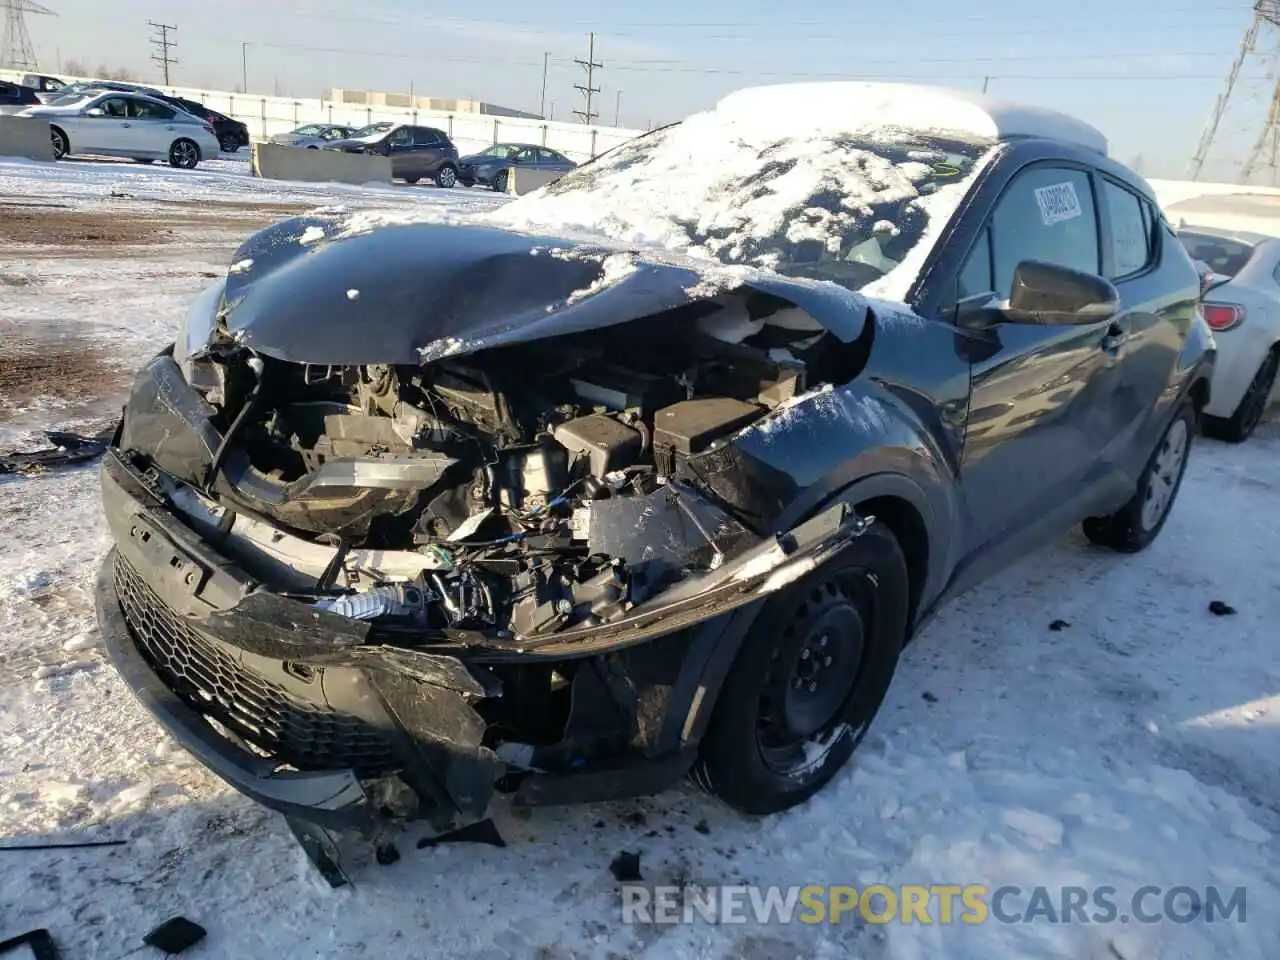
pixel 529 489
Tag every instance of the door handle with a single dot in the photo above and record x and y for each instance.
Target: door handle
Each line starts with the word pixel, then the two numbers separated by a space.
pixel 1115 337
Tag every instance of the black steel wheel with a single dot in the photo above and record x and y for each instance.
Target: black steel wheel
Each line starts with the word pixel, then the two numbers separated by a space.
pixel 809 677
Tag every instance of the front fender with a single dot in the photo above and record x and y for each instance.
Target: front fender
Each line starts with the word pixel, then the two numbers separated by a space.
pixel 852 443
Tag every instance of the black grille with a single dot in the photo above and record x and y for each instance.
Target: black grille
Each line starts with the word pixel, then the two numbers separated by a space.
pixel 306 735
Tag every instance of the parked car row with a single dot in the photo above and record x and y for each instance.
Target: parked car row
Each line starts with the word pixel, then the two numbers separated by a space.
pixel 117 119
pixel 422 152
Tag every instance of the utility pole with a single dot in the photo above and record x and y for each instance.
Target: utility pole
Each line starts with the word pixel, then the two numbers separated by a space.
pixel 542 104
pixel 617 109
pixel 591 66
pixel 163 45
pixel 244 66
pixel 16 49
pixel 986 83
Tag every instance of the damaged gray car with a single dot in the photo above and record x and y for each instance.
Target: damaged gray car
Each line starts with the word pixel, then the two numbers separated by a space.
pixel 634 479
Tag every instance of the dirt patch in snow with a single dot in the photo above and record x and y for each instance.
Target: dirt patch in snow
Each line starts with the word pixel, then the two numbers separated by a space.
pixel 67 370
pixel 97 233
pixel 49 226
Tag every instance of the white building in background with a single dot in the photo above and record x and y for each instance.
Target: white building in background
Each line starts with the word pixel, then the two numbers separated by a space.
pixel 378 98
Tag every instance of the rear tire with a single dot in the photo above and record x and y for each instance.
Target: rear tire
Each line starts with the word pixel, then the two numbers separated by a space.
pixel 61 145
pixel 229 144
pixel 411 180
pixel 1239 427
pixel 500 182
pixel 184 154
pixel 1136 525
pixel 811 674
pixel 446 177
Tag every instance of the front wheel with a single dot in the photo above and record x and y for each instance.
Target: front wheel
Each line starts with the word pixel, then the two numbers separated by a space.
pixel 1135 525
pixel 1239 427
pixel 184 154
pixel 446 177
pixel 61 147
pixel 229 144
pixel 411 180
pixel 811 674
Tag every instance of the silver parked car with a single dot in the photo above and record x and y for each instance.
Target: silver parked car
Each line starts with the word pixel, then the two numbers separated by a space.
pixel 115 124
pixel 313 136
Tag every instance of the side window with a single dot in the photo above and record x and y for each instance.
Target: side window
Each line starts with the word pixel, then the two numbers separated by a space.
pixel 975 275
pixel 1046 214
pixel 144 110
pixel 1130 234
pixel 426 137
pixel 114 107
pixel 549 156
pixel 524 156
pixel 399 136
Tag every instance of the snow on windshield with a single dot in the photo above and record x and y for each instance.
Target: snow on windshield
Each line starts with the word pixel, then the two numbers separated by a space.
pixel 817 197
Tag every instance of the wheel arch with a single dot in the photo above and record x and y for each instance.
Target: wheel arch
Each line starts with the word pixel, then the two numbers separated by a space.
pixel 897 502
pixel 66 137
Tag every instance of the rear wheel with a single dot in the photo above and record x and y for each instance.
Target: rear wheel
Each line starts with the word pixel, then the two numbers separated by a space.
pixel 184 154
pixel 446 177
pixel 810 676
pixel 1240 425
pixel 500 182
pixel 411 180
pixel 1135 525
pixel 229 143
pixel 61 146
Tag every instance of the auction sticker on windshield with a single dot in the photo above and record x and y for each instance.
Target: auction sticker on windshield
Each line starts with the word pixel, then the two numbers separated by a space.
pixel 1058 202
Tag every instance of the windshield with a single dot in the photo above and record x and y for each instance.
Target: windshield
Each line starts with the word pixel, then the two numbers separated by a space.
pixel 1224 256
pixel 499 150
pixel 370 130
pixel 811 202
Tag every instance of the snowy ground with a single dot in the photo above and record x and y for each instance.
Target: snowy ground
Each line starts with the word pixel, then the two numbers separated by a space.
pixel 1138 745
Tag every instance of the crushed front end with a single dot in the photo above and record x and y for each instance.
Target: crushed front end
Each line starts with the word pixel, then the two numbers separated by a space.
pixel 368 593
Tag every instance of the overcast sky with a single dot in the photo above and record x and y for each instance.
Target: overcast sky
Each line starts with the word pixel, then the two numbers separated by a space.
pixel 1144 71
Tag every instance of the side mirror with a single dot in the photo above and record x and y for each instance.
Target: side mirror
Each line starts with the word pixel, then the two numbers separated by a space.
pixel 94 112
pixel 1050 294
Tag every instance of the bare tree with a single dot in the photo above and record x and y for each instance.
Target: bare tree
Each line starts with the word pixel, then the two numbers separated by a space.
pixel 122 74
pixel 76 68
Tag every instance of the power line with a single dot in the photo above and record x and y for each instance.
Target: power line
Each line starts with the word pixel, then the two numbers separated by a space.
pixel 590 65
pixel 163 45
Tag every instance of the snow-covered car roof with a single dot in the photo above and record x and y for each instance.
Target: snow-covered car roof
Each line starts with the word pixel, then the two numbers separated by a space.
pixel 866 105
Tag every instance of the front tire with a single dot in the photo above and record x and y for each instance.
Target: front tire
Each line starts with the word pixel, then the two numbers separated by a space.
pixel 811 674
pixel 1239 427
pixel 1135 526
pixel 411 180
pixel 446 177
pixel 61 145
pixel 184 154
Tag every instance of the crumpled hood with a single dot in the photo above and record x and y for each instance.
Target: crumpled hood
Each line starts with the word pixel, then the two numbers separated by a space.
pixel 313 290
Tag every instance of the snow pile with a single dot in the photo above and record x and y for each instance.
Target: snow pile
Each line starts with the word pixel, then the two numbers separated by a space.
pixel 766 189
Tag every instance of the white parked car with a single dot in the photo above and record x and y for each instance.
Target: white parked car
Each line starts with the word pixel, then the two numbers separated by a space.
pixel 1242 305
pixel 115 124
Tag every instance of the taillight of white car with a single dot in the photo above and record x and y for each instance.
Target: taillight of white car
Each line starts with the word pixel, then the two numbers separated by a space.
pixel 1222 316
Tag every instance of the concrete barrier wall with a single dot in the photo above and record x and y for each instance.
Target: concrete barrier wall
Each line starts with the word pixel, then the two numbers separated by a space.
pixel 520 182
pixel 274 162
pixel 25 137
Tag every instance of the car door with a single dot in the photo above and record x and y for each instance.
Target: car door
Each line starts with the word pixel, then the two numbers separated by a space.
pixel 1157 297
pixel 103 126
pixel 153 129
pixel 428 148
pixel 1042 398
pixel 399 147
